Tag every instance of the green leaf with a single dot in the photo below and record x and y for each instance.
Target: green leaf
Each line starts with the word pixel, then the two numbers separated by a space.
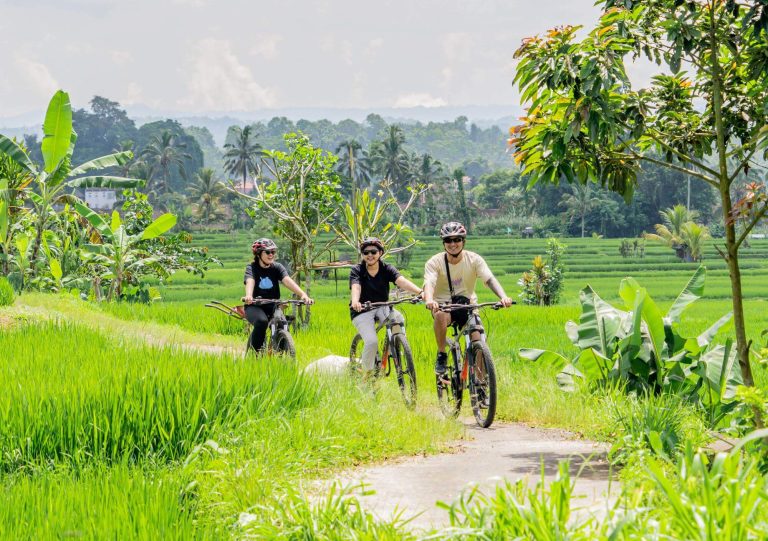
pixel 550 358
pixel 105 182
pixel 95 220
pixel 57 131
pixel 3 221
pixel 115 221
pixel 692 291
pixel 56 269
pixel 159 226
pixel 593 365
pixel 760 434
pixel 15 153
pixel 111 160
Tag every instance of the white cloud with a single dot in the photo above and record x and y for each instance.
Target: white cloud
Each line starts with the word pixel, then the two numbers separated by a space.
pixel 37 76
pixel 194 3
pixel 266 45
pixel 133 94
pixel 218 81
pixel 419 100
pixel 121 57
pixel 373 46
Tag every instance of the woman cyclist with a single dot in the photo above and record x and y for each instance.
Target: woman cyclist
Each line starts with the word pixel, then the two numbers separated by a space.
pixel 262 280
pixel 369 282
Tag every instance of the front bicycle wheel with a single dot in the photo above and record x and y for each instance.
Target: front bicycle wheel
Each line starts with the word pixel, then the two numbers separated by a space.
pixel 450 388
pixel 406 372
pixel 482 384
pixel 356 356
pixel 283 344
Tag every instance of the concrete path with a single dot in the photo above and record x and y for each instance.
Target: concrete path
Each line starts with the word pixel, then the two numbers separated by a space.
pixel 505 451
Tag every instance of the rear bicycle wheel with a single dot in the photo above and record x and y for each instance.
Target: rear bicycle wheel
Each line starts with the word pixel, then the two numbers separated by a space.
pixel 405 371
pixel 283 344
pixel 482 384
pixel 449 388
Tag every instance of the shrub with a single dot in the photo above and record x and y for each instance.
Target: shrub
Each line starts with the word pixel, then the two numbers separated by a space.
pixel 6 292
pixel 543 284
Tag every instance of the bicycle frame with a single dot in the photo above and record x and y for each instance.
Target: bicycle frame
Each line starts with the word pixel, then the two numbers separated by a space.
pixel 461 344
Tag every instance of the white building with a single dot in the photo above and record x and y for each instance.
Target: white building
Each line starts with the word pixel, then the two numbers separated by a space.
pixel 100 198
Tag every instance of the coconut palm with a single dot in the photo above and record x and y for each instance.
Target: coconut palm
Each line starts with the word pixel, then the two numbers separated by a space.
pixel 390 159
pixel 353 163
pixel 206 192
pixel 680 233
pixel 163 153
pixel 241 158
pixel 578 203
pixel 693 236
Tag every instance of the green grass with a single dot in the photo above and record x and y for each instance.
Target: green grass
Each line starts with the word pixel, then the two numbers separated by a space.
pixel 116 423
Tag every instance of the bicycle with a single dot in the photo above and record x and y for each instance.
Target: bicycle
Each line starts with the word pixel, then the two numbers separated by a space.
pixel 395 348
pixel 471 366
pixel 279 340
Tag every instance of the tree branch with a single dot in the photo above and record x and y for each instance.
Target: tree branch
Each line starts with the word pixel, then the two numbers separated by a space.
pixel 752 223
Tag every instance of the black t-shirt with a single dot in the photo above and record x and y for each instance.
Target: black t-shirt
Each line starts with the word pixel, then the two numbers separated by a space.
pixel 373 288
pixel 267 280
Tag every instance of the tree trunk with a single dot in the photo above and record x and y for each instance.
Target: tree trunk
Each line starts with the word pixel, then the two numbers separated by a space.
pixel 734 272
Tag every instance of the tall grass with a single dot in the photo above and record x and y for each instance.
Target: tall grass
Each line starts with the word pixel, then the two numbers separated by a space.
pixel 71 394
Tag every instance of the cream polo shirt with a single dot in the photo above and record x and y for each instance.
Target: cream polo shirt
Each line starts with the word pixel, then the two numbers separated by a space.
pixel 464 276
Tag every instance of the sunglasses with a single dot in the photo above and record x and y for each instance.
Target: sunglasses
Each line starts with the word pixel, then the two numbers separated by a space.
pixel 370 252
pixel 270 252
pixel 453 240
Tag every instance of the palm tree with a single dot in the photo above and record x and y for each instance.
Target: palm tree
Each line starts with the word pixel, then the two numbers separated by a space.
pixel 353 163
pixel 206 192
pixel 164 152
pixel 579 202
pixel 693 236
pixel 390 159
pixel 242 157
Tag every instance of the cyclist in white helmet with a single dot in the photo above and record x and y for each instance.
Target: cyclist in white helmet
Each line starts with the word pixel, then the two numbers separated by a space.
pixel 464 268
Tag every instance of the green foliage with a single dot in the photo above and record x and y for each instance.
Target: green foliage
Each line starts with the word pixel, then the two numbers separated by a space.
pixel 7 294
pixel 634 248
pixel 543 284
pixel 643 350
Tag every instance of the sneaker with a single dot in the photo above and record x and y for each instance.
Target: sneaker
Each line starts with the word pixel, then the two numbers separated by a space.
pixel 441 365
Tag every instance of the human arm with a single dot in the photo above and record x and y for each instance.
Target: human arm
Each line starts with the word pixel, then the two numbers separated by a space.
pixel 493 284
pixel 404 283
pixel 430 280
pixel 354 299
pixel 295 288
pixel 250 283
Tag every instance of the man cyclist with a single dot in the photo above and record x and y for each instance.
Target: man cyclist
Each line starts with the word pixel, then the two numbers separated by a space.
pixel 262 280
pixel 464 268
pixel 369 282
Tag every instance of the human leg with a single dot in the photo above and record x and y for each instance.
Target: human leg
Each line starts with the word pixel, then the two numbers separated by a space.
pixel 440 327
pixel 258 317
pixel 365 324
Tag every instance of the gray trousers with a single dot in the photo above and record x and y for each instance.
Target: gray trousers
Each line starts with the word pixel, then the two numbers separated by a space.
pixel 365 324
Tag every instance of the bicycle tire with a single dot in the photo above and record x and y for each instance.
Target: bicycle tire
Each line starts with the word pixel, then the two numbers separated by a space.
pixel 283 344
pixel 482 384
pixel 405 371
pixel 449 394
pixel 356 356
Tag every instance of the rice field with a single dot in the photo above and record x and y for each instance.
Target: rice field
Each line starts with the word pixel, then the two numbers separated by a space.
pixel 143 422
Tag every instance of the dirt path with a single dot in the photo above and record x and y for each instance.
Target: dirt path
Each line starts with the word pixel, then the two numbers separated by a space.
pixel 505 451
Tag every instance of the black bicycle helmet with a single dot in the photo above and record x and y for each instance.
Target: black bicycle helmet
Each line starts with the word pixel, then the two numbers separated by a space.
pixel 453 229
pixel 372 241
pixel 262 244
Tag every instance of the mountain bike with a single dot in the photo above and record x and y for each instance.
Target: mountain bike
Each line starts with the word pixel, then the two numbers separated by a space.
pixel 279 340
pixel 470 366
pixel 395 351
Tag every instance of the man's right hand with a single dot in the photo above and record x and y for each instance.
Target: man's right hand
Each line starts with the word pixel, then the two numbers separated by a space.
pixel 432 306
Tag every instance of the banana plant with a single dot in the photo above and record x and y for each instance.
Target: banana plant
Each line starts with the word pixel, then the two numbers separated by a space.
pixel 122 255
pixel 641 348
pixel 54 182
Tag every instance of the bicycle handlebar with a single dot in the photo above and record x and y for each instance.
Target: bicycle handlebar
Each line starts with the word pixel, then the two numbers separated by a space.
pixel 273 301
pixel 368 305
pixel 452 307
